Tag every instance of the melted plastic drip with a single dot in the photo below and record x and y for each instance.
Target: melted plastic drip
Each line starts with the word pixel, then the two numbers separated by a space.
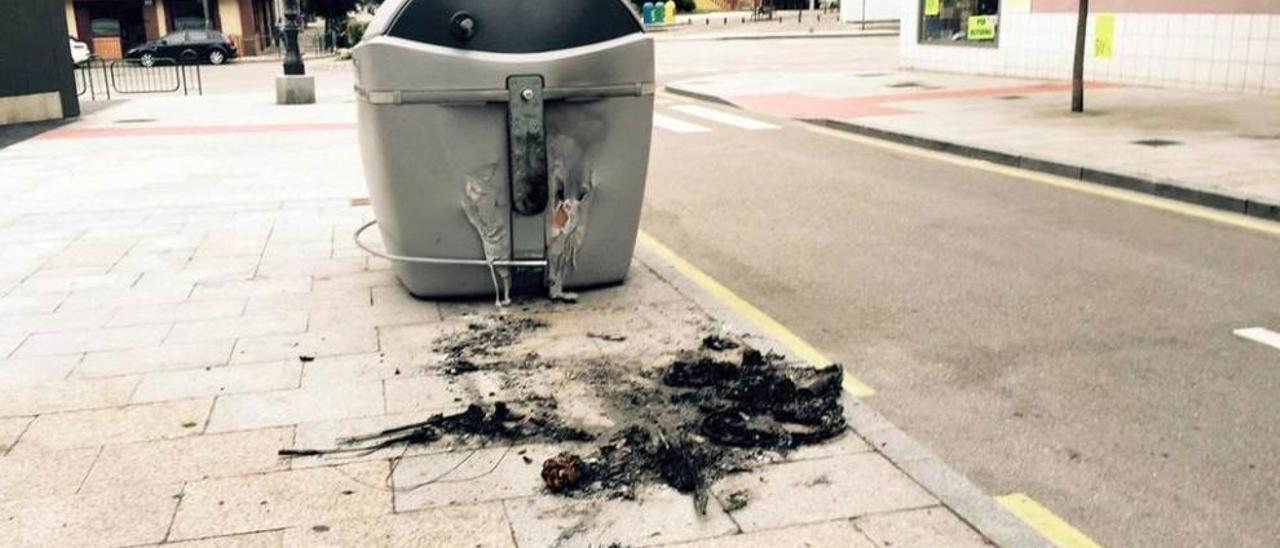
pixel 483 204
pixel 575 185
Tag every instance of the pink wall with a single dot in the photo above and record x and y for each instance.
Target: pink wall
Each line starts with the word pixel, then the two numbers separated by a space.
pixel 1160 6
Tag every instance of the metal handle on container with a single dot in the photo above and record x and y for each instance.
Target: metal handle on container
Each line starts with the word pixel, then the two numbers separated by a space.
pixel 438 260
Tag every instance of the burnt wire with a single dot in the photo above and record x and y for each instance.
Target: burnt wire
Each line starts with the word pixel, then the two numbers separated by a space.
pixel 387 485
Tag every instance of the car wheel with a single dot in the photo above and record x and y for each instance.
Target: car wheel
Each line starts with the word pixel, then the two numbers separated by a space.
pixel 148 59
pixel 216 57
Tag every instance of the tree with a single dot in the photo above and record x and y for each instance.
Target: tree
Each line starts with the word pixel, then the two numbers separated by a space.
pixel 334 12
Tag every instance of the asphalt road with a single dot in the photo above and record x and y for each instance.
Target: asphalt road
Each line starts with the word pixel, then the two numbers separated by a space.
pixel 1072 347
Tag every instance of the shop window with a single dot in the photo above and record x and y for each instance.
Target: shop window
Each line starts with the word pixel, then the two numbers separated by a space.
pixel 188 14
pixel 961 22
pixel 104 27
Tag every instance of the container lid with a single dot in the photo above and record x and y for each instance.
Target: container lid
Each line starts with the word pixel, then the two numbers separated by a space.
pixel 509 26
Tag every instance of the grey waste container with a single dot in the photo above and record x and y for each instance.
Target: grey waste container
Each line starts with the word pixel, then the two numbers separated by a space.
pixel 505 139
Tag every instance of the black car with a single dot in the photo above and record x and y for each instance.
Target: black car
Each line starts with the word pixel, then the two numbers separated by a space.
pixel 186 45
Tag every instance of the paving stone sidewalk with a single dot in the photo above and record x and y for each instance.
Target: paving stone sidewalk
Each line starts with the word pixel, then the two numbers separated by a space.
pixel 164 279
pixel 1214 148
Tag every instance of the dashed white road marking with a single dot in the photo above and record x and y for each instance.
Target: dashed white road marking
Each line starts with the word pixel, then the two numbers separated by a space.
pixel 677 125
pixel 1260 335
pixel 723 117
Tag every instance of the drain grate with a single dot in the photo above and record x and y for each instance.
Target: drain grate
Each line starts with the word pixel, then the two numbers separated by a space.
pixel 1156 143
pixel 134 120
pixel 355 202
pixel 1011 97
pixel 870 74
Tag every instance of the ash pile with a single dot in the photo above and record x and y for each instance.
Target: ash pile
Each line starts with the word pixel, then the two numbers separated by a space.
pixel 716 408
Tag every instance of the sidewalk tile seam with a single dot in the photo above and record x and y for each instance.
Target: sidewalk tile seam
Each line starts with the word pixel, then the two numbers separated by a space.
pixel 41 413
pixel 167 541
pixel 13 352
pixel 89 470
pixel 17 440
pixel 506 516
pixel 208 416
pixel 173 518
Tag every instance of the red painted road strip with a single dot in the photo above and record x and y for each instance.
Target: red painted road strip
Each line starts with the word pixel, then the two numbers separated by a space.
pixel 187 131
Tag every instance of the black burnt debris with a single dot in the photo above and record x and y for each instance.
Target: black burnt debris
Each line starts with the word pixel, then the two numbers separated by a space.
pixel 481 345
pixel 487 337
pixel 717 342
pixel 759 403
pixel 736 500
pixel 710 414
pixel 563 472
pixel 720 408
pixel 498 422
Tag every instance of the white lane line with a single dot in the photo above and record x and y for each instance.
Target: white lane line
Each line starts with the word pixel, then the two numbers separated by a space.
pixel 723 117
pixel 677 125
pixel 1260 335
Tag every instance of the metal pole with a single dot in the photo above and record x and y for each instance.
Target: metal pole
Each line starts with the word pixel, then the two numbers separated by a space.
pixel 208 25
pixel 1077 72
pixel 292 57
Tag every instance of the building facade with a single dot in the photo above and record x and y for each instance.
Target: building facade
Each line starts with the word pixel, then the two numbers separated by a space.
pixel 111 27
pixel 1223 45
pixel 856 11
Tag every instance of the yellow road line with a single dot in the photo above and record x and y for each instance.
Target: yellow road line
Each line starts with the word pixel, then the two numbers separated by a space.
pixel 1147 200
pixel 762 321
pixel 1045 522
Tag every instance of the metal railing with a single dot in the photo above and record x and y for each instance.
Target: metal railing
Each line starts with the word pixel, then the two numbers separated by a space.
pixel 131 76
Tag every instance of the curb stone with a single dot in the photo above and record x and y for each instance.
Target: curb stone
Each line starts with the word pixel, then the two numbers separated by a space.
pixel 952 488
pixel 699 96
pixel 1163 188
pixel 255 59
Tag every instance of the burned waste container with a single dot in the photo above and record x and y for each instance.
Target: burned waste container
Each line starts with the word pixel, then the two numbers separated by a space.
pixel 505 141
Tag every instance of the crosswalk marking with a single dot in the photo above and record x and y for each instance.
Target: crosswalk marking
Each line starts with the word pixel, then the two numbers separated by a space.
pixel 723 117
pixel 1260 335
pixel 677 125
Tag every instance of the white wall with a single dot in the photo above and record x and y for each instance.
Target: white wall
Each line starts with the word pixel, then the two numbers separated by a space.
pixel 1239 53
pixel 875 10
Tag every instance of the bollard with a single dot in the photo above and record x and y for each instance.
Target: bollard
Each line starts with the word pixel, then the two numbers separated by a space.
pixel 659 13
pixel 671 12
pixel 648 13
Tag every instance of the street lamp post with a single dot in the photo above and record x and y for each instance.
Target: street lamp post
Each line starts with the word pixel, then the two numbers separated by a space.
pixel 292 57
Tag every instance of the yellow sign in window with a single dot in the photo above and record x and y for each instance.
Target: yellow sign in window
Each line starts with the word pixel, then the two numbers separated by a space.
pixel 932 7
pixel 982 27
pixel 1104 36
